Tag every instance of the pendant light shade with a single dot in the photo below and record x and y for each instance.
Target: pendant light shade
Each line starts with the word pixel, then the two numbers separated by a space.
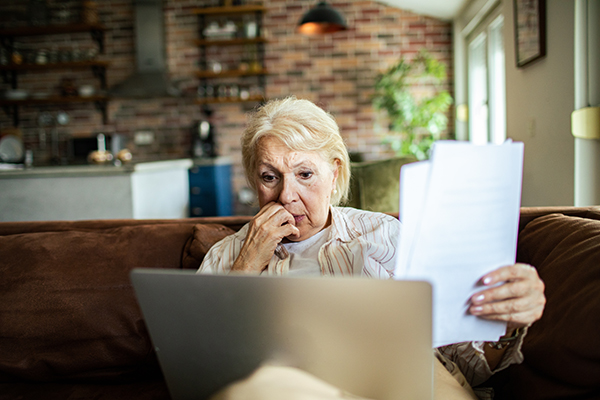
pixel 321 19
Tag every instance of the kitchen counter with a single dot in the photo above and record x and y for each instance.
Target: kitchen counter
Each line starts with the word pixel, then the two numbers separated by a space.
pixel 93 170
pixel 143 190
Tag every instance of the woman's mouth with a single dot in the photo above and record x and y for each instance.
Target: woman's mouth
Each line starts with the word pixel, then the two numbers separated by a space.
pixel 298 218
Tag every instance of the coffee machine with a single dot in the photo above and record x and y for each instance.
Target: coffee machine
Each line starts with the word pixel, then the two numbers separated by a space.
pixel 203 140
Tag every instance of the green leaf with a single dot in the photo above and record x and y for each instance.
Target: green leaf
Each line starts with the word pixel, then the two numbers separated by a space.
pixel 415 122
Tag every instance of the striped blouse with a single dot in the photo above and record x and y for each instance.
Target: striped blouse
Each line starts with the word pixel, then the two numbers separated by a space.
pixel 364 243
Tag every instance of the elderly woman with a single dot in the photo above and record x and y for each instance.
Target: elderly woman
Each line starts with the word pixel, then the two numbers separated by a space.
pixel 298 164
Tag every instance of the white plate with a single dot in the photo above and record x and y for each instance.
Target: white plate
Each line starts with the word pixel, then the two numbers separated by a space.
pixel 11 149
pixel 16 94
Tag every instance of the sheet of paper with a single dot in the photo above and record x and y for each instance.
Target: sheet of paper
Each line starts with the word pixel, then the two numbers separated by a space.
pixel 460 214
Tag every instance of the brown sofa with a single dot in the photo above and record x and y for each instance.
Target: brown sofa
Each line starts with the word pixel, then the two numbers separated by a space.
pixel 70 326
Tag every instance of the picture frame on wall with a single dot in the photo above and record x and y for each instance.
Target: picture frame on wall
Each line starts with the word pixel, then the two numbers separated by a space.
pixel 530 30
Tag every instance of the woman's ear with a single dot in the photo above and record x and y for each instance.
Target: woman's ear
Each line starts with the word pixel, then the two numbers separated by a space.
pixel 336 169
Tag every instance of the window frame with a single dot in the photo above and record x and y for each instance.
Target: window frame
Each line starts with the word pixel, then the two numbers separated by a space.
pixel 490 28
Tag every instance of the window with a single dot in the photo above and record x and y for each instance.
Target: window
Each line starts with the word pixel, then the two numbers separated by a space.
pixel 486 83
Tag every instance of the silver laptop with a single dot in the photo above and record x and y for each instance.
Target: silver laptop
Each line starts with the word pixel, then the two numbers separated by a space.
pixel 369 337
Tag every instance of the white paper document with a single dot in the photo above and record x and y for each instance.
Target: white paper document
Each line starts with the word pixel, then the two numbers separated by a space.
pixel 460 215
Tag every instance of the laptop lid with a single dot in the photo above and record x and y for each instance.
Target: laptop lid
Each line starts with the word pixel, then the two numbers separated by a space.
pixel 369 337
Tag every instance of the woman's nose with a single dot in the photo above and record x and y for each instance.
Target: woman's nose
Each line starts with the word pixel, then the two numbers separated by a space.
pixel 288 191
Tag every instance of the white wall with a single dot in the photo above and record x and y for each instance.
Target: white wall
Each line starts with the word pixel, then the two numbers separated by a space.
pixel 539 102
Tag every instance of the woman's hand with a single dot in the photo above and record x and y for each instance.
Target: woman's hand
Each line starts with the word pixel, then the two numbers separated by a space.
pixel 267 229
pixel 519 300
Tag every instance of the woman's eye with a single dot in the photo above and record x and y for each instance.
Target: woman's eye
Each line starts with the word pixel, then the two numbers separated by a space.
pixel 268 178
pixel 306 174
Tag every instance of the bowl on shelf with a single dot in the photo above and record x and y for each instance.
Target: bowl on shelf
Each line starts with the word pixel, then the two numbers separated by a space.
pixel 124 155
pixel 16 94
pixel 11 149
pixel 86 90
pixel 100 157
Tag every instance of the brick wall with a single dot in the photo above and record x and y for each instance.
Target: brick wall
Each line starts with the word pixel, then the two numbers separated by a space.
pixel 336 71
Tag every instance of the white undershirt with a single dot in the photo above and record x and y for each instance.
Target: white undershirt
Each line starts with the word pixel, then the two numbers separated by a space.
pixel 304 259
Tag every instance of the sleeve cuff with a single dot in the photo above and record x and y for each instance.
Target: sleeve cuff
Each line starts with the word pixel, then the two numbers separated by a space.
pixel 512 354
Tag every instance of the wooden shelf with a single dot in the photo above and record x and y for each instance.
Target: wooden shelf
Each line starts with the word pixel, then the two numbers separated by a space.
pixel 12 106
pixel 50 29
pixel 246 9
pixel 54 100
pixel 230 100
pixel 59 65
pixel 10 72
pixel 229 42
pixel 230 74
pixel 96 30
pixel 204 15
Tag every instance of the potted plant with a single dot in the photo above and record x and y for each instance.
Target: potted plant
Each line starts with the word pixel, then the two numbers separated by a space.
pixel 410 93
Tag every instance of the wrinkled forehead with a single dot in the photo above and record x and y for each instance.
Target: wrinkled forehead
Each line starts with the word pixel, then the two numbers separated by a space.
pixel 273 151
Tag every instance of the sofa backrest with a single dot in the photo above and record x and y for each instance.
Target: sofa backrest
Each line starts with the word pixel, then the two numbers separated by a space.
pixel 13 228
pixel 67 307
pixel 375 185
pixel 562 349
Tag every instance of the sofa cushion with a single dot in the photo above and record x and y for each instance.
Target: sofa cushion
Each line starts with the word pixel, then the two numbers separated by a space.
pixel 562 349
pixel 375 185
pixel 204 236
pixel 67 308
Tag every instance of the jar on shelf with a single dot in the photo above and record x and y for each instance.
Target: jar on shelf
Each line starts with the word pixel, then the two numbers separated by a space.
pixel 91 53
pixel 222 91
pixel 67 87
pixel 16 56
pixel 250 28
pixel 89 12
pixel 244 92
pixel 243 66
pixel 212 30
pixel 234 91
pixel 206 91
pixel 255 66
pixel 41 57
pixel 216 67
pixel 62 15
pixel 210 91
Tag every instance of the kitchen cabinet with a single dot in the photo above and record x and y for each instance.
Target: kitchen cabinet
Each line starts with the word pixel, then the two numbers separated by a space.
pixel 11 70
pixel 147 190
pixel 210 188
pixel 223 77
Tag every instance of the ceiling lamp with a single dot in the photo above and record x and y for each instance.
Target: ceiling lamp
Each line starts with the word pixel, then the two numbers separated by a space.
pixel 321 19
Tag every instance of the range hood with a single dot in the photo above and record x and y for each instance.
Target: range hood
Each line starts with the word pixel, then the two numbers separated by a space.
pixel 151 77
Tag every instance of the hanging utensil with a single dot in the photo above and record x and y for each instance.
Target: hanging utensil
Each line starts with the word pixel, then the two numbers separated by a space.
pixel 45 119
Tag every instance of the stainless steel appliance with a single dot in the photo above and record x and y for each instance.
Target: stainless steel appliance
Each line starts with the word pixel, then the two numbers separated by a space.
pixel 203 140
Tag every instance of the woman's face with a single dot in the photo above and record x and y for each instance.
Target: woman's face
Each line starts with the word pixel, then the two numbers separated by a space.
pixel 302 182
